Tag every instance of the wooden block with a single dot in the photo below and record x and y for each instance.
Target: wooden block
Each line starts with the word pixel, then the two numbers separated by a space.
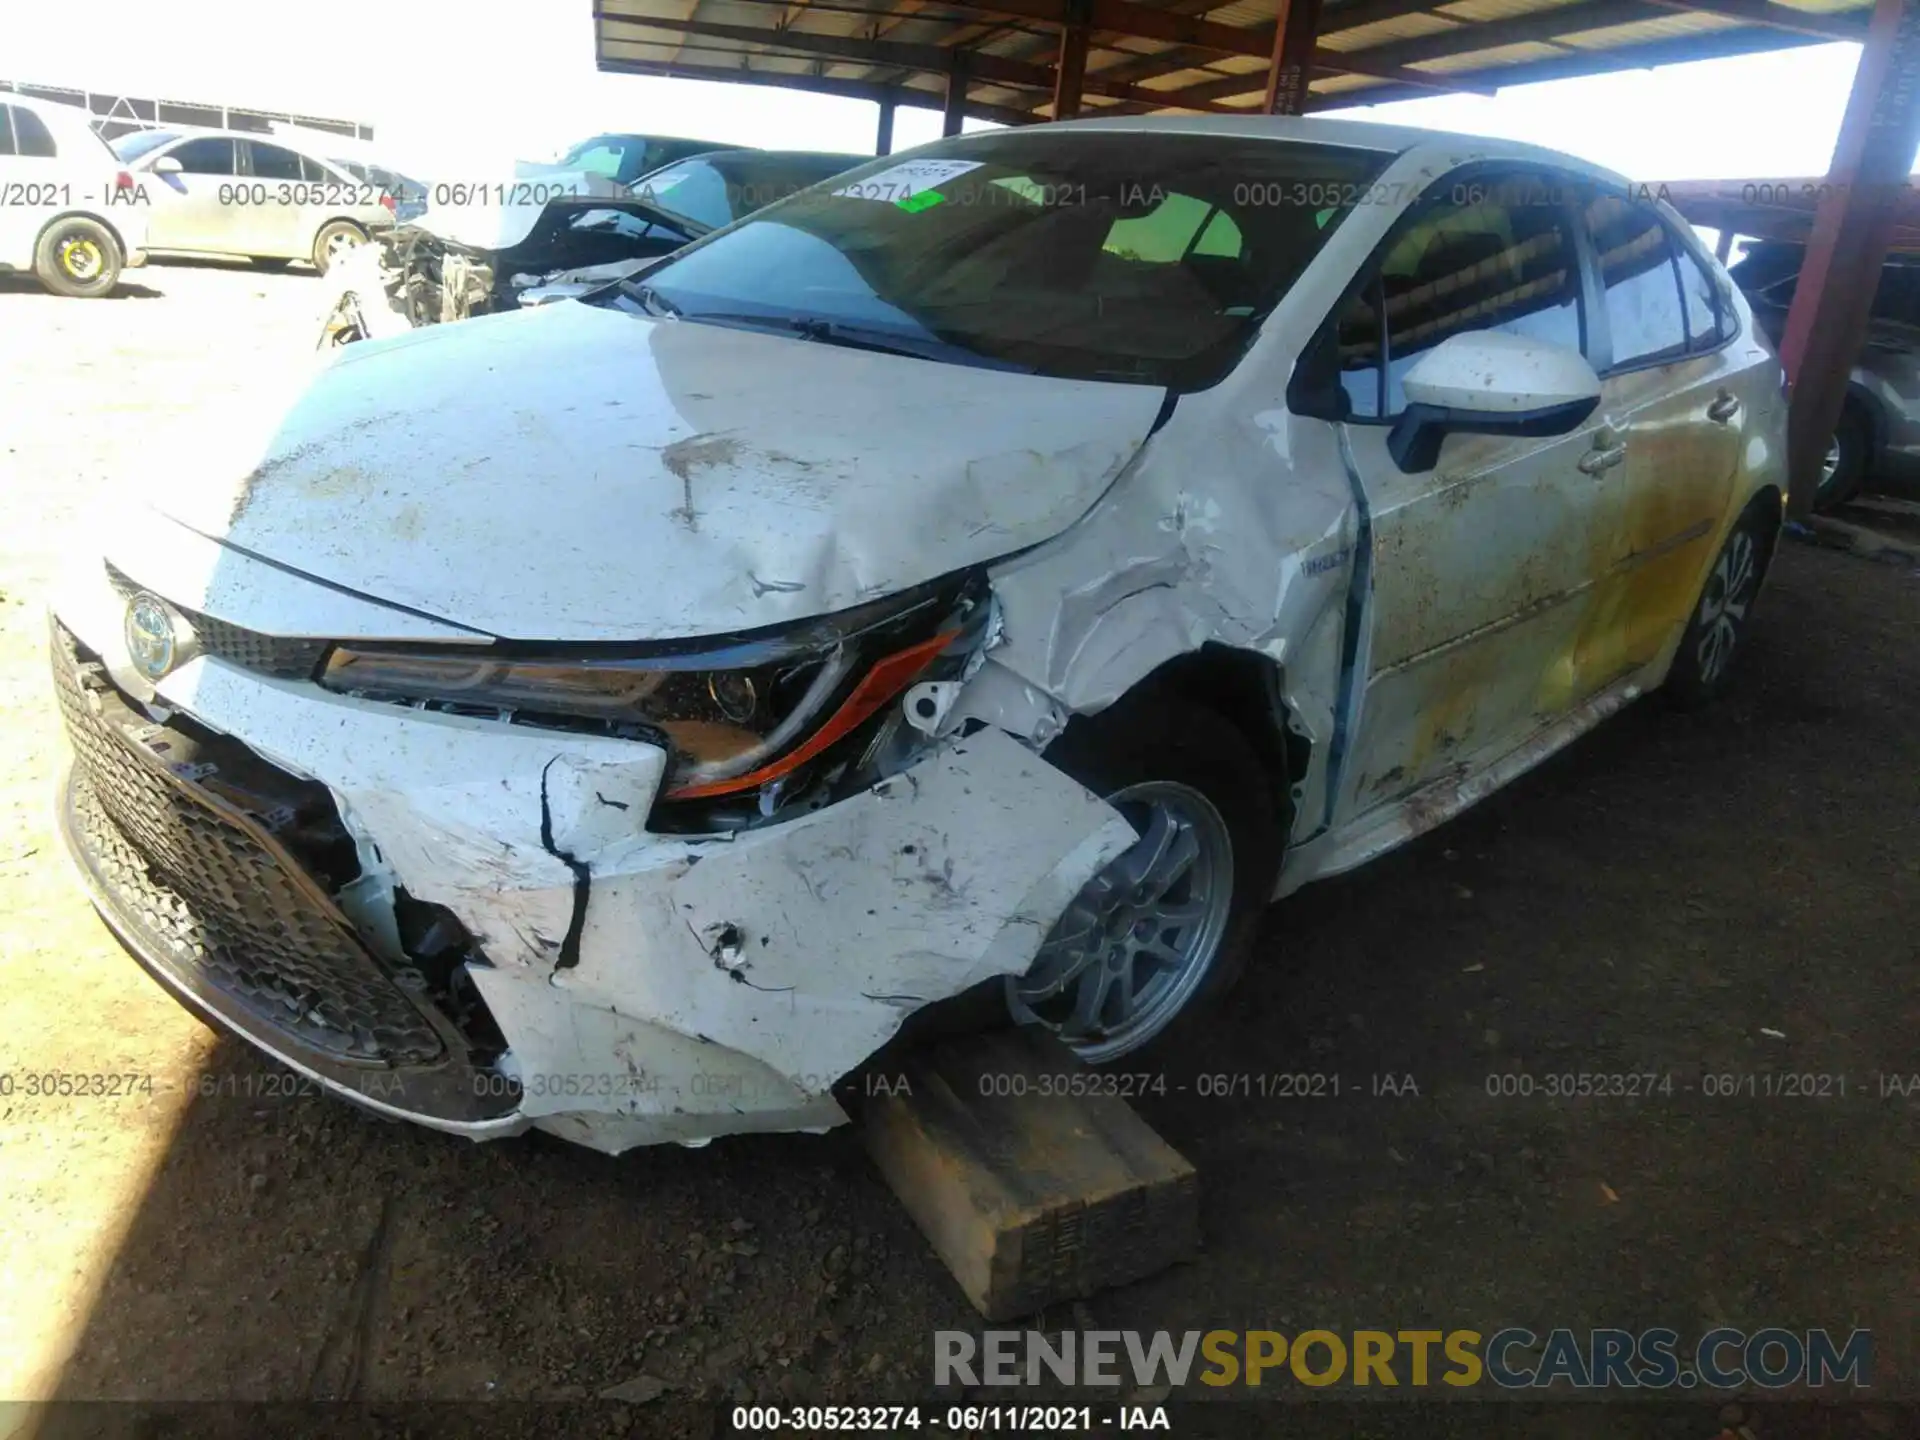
pixel 1029 1197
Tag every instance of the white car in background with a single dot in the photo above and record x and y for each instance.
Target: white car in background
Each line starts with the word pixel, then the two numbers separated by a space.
pixel 235 193
pixel 69 210
pixel 997 571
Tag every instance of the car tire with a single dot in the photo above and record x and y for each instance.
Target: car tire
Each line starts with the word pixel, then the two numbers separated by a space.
pixel 78 257
pixel 335 238
pixel 1197 793
pixel 1704 664
pixel 1848 456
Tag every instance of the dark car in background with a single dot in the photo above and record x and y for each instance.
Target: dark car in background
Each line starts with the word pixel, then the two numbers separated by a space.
pixel 625 158
pixel 472 260
pixel 1880 424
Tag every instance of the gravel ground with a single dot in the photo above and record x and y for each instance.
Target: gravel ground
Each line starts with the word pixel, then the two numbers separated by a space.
pixel 1727 893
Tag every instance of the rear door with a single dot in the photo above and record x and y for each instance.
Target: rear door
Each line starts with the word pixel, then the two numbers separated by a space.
pixel 201 210
pixel 1477 562
pixel 1670 391
pixel 278 220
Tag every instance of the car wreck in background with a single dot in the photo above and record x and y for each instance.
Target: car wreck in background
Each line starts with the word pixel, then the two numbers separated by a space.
pixel 1880 421
pixel 547 237
pixel 992 575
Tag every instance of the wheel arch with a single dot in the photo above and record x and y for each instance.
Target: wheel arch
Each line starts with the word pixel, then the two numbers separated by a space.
pixel 1247 689
pixel 1867 405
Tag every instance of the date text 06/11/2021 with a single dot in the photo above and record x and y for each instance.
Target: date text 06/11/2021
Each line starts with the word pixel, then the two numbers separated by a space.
pixel 961 1419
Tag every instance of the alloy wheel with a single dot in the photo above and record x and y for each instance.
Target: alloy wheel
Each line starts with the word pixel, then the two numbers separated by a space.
pixel 1140 937
pixel 1723 609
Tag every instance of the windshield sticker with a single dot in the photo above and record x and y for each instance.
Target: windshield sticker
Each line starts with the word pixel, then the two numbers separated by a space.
pixel 907 179
pixel 925 200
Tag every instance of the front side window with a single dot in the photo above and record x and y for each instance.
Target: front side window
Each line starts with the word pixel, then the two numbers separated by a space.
pixel 1149 259
pixel 209 155
pixel 31 136
pixel 1492 253
pixel 604 156
pixel 1645 312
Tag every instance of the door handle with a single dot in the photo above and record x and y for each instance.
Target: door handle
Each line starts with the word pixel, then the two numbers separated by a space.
pixel 1723 407
pixel 1602 458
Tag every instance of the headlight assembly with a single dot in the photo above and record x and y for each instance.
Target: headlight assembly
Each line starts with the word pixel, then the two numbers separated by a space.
pixel 732 718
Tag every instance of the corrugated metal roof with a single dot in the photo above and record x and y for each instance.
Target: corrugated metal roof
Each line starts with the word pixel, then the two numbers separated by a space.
pixel 1182 54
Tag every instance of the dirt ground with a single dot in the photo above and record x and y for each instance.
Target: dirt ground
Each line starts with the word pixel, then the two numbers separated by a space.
pixel 1727 893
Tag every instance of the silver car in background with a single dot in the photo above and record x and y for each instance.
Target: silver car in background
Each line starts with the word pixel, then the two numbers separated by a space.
pixel 236 193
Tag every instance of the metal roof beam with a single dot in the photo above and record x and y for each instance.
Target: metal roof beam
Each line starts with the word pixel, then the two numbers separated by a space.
pixel 931 59
pixel 1202 38
pixel 820 84
pixel 1778 17
pixel 1550 25
pixel 1719 44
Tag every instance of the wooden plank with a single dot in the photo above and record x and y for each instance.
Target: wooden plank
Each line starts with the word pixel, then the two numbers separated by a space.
pixel 1029 1198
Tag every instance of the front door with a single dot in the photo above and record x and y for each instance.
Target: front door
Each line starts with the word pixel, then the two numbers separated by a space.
pixel 200 210
pixel 1482 565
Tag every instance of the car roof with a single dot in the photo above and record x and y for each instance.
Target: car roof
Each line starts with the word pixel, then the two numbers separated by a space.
pixel 1353 134
pixel 755 157
pixel 654 136
pixel 196 132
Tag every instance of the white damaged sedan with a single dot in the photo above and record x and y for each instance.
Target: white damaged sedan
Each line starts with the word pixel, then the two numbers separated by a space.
pixel 996 572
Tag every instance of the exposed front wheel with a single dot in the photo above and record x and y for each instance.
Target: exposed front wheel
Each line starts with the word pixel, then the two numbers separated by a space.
pixel 78 257
pixel 1165 927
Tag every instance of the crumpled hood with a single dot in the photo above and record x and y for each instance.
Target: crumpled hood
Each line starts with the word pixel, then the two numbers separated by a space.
pixel 578 473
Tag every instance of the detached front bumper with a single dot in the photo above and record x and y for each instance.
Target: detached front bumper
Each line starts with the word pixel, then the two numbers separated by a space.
pixel 611 985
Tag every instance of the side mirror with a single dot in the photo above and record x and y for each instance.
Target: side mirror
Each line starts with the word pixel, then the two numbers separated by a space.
pixel 1488 382
pixel 165 165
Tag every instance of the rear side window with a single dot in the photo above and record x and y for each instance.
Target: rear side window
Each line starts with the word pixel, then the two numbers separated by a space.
pixel 1492 254
pixel 209 155
pixel 6 130
pixel 273 162
pixel 31 136
pixel 1710 321
pixel 1645 313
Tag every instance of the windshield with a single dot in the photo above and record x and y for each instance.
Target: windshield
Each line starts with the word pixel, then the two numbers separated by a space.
pixel 1131 256
pixel 132 146
pixel 712 194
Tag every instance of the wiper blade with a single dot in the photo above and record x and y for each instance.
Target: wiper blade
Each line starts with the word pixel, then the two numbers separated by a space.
pixel 860 337
pixel 651 299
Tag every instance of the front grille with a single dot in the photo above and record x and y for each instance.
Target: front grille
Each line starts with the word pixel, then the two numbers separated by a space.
pixel 282 657
pixel 208 882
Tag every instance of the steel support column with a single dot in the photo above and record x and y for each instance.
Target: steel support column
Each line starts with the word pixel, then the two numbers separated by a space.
pixel 883 138
pixel 1848 244
pixel 1071 73
pixel 1294 36
pixel 956 111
